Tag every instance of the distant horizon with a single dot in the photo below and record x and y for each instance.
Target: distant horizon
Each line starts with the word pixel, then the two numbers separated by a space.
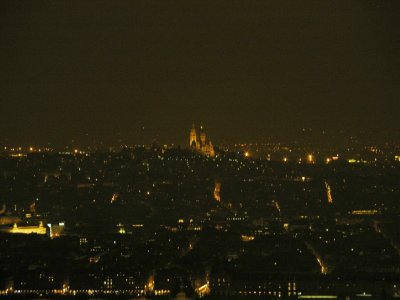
pixel 173 135
pixel 304 136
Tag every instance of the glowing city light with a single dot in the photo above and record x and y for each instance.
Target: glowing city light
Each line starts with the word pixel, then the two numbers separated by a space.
pixel 328 192
pixel 217 190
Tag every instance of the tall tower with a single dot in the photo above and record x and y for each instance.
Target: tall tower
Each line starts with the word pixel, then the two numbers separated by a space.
pixel 193 137
pixel 211 149
pixel 202 136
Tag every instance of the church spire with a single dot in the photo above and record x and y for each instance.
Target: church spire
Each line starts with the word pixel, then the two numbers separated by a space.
pixel 193 138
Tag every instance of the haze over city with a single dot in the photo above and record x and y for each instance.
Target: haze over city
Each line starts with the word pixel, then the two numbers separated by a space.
pixel 140 71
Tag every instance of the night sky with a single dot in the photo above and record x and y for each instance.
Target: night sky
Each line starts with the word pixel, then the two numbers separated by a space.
pixel 139 71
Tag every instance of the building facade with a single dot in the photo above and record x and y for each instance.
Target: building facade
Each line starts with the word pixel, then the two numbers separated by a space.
pixel 198 142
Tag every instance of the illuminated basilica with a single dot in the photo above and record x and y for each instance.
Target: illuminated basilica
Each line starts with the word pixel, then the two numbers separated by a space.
pixel 200 143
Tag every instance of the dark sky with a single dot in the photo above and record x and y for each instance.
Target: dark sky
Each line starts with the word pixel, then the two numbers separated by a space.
pixel 144 70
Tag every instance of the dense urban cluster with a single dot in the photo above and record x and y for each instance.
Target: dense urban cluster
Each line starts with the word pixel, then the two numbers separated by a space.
pixel 168 222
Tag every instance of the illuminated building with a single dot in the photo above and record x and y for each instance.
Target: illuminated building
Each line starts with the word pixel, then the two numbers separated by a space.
pixel 366 212
pixel 40 229
pixel 56 230
pixel 200 143
pixel 253 285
